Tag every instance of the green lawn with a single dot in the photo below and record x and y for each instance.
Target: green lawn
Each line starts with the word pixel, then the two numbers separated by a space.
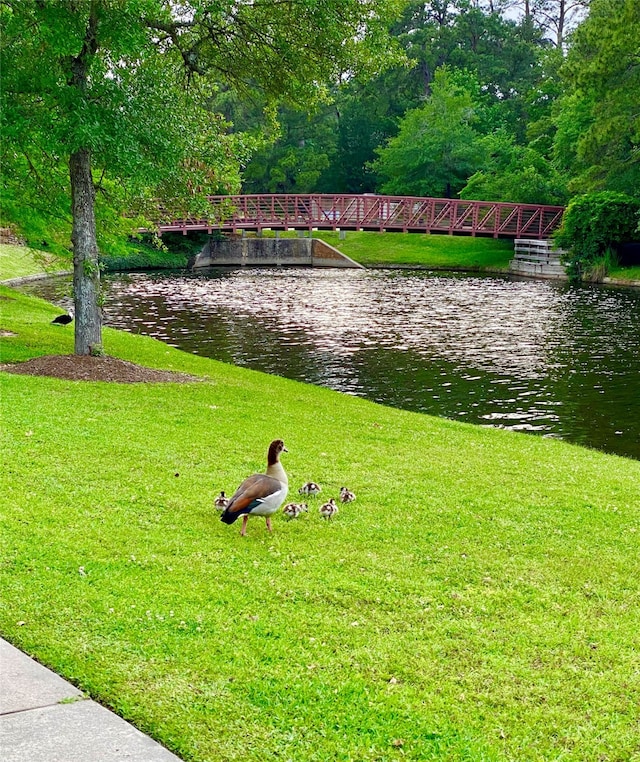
pixel 412 249
pixel 21 261
pixel 626 273
pixel 479 600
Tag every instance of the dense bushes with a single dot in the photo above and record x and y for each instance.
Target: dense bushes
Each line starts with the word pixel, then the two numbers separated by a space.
pixel 592 227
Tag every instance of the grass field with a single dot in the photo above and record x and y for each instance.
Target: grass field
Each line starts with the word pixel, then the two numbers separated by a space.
pixel 411 249
pixel 626 273
pixel 21 261
pixel 479 600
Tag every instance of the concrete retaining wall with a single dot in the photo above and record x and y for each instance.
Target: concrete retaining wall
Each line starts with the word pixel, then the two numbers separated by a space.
pixel 270 252
pixel 537 259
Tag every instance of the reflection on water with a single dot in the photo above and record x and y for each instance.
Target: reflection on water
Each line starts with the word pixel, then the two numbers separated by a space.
pixel 526 355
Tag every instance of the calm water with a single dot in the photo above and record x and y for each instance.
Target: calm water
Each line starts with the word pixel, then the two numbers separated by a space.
pixel 528 355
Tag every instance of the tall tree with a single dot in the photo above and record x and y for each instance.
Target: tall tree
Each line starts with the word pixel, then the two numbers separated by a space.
pixel 603 76
pixel 556 17
pixel 296 159
pixel 436 148
pixel 514 173
pixel 104 85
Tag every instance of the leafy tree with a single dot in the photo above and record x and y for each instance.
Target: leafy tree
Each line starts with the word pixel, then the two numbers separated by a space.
pixel 122 91
pixel 592 227
pixel 366 115
pixel 504 61
pixel 572 119
pixel 436 148
pixel 294 162
pixel 515 173
pixel 463 35
pixel 603 74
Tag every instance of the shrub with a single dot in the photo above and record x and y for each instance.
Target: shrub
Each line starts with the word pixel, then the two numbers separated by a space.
pixel 592 227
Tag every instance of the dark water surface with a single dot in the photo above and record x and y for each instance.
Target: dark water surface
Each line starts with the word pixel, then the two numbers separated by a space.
pixel 527 355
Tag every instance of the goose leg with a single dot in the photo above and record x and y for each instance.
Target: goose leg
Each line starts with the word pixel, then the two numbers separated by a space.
pixel 269 524
pixel 245 518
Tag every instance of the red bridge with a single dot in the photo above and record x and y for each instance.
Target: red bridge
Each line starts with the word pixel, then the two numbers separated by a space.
pixel 408 214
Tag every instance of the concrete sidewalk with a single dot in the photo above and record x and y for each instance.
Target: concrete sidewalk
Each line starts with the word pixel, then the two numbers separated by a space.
pixel 43 718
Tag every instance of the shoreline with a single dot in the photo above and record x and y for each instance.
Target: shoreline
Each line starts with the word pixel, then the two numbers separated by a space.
pixel 10 282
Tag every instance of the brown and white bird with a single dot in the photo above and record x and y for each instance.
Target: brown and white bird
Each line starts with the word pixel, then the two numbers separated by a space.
pixel 260 494
pixel 328 510
pixel 221 502
pixel 293 510
pixel 346 496
pixel 310 488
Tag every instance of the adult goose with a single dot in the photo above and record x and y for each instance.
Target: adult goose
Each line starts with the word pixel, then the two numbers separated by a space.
pixel 260 494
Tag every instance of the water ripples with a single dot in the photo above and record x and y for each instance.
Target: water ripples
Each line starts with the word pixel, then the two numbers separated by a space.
pixel 522 354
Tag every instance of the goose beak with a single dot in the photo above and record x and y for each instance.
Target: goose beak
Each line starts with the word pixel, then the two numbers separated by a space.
pixel 284 449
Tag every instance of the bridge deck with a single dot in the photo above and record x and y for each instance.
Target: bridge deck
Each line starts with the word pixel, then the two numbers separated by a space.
pixel 371 212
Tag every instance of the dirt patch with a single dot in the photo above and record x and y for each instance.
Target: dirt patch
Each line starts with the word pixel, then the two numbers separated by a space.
pixel 86 368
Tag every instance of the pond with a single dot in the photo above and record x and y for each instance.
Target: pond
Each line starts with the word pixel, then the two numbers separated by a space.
pixel 528 355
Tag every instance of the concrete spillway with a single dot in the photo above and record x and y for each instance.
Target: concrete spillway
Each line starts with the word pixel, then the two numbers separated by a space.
pixel 270 252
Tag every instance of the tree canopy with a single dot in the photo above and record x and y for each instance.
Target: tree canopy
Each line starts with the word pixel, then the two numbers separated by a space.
pixel 123 94
pixel 603 76
pixel 436 148
pixel 137 110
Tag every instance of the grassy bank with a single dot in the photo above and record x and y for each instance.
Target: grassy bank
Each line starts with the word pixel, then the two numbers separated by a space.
pixel 370 249
pixel 22 261
pixel 478 601
pixel 414 250
pixel 438 252
pixel 630 274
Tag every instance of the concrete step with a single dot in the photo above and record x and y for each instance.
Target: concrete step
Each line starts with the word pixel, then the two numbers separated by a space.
pixel 533 257
pixel 538 270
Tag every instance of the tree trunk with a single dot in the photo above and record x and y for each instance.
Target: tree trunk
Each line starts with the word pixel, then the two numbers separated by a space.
pixel 561 19
pixel 86 270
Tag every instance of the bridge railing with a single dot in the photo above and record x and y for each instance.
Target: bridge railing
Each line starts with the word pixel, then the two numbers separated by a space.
pixel 373 212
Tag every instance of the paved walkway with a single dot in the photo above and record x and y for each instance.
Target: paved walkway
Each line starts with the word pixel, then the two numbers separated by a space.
pixel 43 718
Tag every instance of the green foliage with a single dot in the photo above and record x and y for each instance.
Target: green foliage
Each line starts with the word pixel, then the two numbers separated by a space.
pixel 480 611
pixel 294 162
pixel 142 255
pixel 603 78
pixel 592 225
pixel 436 148
pixel 514 173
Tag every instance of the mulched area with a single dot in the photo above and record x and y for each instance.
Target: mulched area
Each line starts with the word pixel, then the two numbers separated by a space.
pixel 86 368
